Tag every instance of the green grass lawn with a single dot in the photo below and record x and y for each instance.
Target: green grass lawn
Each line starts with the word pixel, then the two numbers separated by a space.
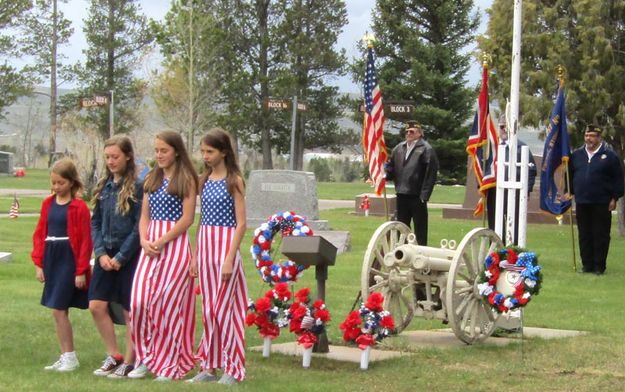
pixel 34 179
pixel 349 190
pixel 27 204
pixel 568 300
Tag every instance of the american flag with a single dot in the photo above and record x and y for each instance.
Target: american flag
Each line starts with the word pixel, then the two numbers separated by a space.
pixel 14 212
pixel 482 145
pixel 373 136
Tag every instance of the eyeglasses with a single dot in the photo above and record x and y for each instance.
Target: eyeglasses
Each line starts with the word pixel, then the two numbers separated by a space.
pixel 502 127
pixel 412 130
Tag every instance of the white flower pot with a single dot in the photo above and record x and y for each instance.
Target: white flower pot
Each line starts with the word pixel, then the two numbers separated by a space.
pixel 266 347
pixel 364 358
pixel 306 357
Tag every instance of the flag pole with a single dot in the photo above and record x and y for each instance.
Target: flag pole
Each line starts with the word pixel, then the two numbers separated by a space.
pixel 483 199
pixel 560 70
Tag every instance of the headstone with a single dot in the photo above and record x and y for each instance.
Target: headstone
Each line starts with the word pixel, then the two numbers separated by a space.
pixel 272 191
pixel 6 162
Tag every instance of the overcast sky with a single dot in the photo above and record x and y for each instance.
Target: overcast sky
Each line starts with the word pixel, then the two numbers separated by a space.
pixel 358 14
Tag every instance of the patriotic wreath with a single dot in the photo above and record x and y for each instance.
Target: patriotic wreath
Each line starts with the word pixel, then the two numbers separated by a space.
pixel 519 268
pixel 286 223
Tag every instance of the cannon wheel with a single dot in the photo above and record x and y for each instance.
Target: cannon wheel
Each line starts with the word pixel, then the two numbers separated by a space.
pixel 392 282
pixel 471 319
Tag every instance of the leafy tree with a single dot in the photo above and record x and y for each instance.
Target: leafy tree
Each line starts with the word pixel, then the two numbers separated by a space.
pixel 14 82
pixel 588 38
pixel 117 34
pixel 309 33
pixel 44 29
pixel 420 58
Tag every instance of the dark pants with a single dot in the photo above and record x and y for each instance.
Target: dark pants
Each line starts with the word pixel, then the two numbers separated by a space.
pixel 410 207
pixel 594 222
pixel 491 201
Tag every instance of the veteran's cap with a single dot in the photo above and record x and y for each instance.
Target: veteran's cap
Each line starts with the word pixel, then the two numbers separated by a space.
pixel 590 128
pixel 413 125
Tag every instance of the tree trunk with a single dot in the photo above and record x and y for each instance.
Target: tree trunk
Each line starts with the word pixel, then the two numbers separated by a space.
pixel 262 8
pixel 53 86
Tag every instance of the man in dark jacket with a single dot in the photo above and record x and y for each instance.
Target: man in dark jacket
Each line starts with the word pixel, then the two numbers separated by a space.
pixel 531 179
pixel 596 174
pixel 413 167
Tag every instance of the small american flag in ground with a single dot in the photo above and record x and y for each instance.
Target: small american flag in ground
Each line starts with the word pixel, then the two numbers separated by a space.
pixel 373 138
pixel 14 212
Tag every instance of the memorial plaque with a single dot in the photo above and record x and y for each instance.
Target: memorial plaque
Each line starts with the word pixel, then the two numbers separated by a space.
pixel 272 191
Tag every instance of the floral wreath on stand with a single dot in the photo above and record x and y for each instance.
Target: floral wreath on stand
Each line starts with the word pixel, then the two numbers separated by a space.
pixel 268 312
pixel 520 270
pixel 307 321
pixel 286 223
pixel 369 325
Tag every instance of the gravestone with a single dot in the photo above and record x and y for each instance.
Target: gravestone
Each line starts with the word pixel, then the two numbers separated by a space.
pixel 6 162
pixel 272 191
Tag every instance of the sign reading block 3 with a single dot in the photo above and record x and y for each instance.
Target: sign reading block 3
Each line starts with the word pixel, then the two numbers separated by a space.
pixel 309 250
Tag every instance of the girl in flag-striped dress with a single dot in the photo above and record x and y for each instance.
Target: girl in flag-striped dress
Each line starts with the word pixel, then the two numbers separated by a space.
pixel 163 304
pixel 219 264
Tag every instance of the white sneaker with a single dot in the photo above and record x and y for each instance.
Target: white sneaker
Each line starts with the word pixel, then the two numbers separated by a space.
pixel 69 363
pixel 139 372
pixel 203 376
pixel 56 364
pixel 227 379
pixel 108 366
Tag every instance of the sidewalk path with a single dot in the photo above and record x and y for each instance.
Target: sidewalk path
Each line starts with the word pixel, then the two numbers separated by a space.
pixel 24 192
pixel 330 204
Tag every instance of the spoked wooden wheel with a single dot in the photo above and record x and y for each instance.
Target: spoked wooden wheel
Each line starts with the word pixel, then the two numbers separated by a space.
pixel 395 283
pixel 471 319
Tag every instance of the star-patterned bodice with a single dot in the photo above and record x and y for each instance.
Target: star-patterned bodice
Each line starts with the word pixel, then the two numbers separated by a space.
pixel 217 205
pixel 164 206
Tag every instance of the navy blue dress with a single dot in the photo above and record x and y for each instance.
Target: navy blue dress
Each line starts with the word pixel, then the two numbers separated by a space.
pixel 59 266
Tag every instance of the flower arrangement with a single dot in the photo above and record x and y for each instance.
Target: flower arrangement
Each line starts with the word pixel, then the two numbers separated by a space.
pixel 520 270
pixel 370 324
pixel 286 223
pixel 305 320
pixel 268 312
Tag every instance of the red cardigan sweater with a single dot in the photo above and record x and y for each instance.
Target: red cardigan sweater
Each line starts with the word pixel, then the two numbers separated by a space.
pixel 78 231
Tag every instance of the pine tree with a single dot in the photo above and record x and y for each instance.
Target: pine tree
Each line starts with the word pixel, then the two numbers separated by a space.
pixel 117 34
pixel 14 82
pixel 44 30
pixel 421 53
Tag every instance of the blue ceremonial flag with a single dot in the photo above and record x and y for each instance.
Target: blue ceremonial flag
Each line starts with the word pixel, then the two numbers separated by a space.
pixel 555 156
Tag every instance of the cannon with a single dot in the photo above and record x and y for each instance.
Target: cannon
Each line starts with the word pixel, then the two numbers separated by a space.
pixel 431 283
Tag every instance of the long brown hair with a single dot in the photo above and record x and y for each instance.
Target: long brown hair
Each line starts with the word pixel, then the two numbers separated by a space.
pixel 67 169
pixel 184 175
pixel 220 140
pixel 129 177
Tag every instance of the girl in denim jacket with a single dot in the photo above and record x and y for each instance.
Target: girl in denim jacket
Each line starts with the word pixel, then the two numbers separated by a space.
pixel 114 229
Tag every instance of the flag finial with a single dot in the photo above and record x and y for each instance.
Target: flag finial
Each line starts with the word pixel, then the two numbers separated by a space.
pixel 560 71
pixel 486 58
pixel 369 39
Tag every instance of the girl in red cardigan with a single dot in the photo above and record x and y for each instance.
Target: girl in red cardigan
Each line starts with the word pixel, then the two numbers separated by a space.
pixel 61 251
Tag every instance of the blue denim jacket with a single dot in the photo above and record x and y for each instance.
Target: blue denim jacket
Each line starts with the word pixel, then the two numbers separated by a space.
pixel 110 230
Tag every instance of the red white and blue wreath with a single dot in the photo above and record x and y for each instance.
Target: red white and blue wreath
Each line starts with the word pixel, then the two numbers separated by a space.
pixel 286 223
pixel 515 267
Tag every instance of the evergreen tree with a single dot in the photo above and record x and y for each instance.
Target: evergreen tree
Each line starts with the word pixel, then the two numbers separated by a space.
pixel 420 47
pixel 14 82
pixel 44 30
pixel 588 38
pixel 117 34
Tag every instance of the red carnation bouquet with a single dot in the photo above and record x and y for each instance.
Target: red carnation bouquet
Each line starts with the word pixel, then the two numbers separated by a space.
pixel 370 324
pixel 268 312
pixel 307 321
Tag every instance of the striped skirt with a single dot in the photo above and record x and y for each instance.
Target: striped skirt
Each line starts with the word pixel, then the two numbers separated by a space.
pixel 162 314
pixel 224 303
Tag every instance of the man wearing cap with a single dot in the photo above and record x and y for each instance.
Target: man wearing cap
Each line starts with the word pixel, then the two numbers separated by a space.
pixel 596 174
pixel 531 179
pixel 413 167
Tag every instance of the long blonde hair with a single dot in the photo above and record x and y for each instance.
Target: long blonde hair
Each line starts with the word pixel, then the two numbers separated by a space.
pixel 184 175
pixel 67 169
pixel 127 192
